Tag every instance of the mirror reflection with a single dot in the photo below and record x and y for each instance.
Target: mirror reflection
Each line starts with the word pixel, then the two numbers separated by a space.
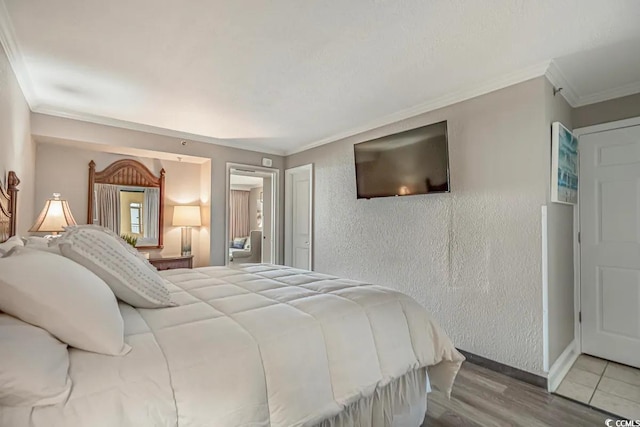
pixel 127 199
pixel 129 211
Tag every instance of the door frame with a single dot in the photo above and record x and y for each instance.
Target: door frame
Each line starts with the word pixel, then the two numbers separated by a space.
pixel 288 209
pixel 577 254
pixel 252 170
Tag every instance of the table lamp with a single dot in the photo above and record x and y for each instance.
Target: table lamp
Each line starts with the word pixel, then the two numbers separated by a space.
pixel 186 217
pixel 55 216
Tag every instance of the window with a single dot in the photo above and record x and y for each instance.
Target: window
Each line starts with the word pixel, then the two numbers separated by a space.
pixel 135 210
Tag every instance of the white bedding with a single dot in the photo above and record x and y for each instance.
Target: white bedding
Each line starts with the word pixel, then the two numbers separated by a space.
pixel 257 345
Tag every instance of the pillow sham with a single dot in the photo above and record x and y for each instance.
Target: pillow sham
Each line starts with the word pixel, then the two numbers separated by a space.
pixel 125 245
pixel 35 365
pixel 126 274
pixel 66 299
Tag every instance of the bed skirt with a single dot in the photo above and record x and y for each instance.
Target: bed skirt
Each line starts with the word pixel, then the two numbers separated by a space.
pixel 401 403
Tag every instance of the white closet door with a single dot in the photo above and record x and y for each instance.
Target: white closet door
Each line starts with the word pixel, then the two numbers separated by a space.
pixel 610 249
pixel 299 217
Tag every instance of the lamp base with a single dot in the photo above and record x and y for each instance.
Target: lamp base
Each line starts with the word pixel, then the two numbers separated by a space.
pixel 186 241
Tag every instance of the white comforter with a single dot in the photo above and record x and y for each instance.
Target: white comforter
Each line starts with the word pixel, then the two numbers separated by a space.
pixel 259 345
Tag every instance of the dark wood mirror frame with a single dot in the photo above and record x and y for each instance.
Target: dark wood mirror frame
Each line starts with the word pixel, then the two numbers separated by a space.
pixel 127 172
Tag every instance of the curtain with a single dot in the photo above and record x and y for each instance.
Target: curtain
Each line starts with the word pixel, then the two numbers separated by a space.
pixel 151 213
pixel 108 206
pixel 239 215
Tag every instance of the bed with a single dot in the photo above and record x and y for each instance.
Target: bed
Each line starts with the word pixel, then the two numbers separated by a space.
pixel 260 345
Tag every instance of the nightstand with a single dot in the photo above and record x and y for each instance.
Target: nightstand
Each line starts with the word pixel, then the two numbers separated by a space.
pixel 169 263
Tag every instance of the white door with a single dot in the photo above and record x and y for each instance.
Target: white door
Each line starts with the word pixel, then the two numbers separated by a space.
pixel 299 220
pixel 610 249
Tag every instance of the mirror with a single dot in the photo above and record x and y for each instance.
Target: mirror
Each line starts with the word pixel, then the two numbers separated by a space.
pixel 129 200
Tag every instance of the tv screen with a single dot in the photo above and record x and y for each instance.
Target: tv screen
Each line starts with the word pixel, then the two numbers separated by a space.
pixel 403 164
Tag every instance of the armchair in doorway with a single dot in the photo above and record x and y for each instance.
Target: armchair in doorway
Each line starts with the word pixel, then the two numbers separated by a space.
pixel 252 254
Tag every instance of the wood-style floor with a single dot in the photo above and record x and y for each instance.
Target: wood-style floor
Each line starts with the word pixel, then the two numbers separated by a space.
pixel 486 398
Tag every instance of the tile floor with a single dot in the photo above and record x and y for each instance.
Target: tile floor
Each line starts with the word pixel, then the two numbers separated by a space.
pixel 604 385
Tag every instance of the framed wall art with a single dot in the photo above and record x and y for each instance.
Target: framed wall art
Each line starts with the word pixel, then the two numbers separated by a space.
pixel 564 165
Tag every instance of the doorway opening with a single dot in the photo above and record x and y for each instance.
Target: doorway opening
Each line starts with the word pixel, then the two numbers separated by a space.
pixel 251 224
pixel 607 290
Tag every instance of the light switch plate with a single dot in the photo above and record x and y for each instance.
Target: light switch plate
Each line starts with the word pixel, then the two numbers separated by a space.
pixel 266 162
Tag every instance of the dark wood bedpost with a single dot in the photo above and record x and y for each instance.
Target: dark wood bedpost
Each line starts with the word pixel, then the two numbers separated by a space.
pixel 92 177
pixel 161 220
pixel 12 190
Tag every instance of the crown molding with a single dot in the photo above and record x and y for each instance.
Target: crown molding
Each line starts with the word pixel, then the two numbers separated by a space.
pixel 559 80
pixel 546 68
pixel 8 42
pixel 606 95
pixel 506 80
pixel 139 127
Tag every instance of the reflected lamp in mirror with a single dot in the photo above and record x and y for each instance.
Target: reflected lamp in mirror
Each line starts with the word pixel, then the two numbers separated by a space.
pixel 186 217
pixel 55 215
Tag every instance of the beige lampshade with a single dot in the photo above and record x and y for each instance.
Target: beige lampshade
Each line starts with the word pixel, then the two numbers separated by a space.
pixel 54 216
pixel 186 216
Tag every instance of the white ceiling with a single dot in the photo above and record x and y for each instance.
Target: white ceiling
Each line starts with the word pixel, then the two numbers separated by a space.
pixel 242 182
pixel 281 75
pixel 601 73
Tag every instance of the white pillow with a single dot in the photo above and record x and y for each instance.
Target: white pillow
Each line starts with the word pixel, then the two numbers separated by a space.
pixel 42 244
pixel 35 365
pixel 126 274
pixel 64 298
pixel 10 244
pixel 128 247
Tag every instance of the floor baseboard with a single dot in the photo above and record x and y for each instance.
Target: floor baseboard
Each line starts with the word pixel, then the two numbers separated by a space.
pixel 562 365
pixel 507 370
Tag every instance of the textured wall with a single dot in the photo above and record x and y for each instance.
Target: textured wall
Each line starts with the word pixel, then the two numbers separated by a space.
pixel 471 257
pixel 48 127
pixel 561 299
pixel 607 111
pixel 17 150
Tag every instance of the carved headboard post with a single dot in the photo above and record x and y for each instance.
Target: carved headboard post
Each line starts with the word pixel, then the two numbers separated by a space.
pixel 9 207
pixel 12 189
pixel 161 219
pixel 92 178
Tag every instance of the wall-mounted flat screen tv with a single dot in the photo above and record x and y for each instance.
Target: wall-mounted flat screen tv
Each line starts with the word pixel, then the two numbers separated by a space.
pixel 403 164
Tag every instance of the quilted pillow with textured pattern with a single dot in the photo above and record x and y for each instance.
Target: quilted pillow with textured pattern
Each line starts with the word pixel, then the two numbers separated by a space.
pixel 127 273
pixel 128 247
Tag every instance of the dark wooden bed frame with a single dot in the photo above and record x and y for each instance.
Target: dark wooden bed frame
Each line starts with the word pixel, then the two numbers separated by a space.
pixel 9 207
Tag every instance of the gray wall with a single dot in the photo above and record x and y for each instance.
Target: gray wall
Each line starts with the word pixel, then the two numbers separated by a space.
pixel 46 127
pixel 560 304
pixel 472 257
pixel 607 111
pixel 17 150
